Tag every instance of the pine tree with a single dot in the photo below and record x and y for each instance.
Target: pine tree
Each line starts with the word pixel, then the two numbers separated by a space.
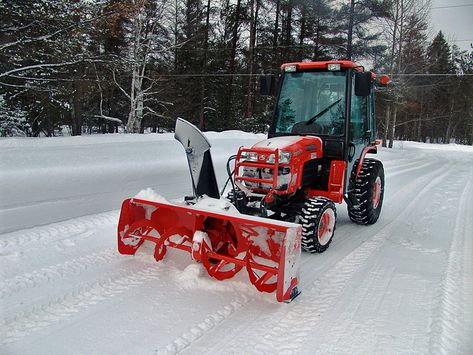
pixel 13 120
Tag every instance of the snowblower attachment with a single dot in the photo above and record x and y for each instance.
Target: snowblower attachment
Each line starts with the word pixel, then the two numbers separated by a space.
pixel 223 243
pixel 197 149
pixel 212 230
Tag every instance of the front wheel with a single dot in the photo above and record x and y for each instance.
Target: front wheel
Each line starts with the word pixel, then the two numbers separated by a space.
pixel 369 192
pixel 318 219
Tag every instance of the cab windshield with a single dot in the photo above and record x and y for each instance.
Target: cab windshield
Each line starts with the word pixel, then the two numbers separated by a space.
pixel 312 103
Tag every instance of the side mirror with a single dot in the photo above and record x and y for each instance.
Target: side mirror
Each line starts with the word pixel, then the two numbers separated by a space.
pixel 266 84
pixel 363 84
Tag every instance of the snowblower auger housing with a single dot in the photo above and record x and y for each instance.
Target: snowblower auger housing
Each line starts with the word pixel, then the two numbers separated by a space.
pixel 212 230
pixel 223 243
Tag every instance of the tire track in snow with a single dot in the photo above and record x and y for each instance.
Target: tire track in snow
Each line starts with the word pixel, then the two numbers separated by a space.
pixel 199 329
pixel 408 168
pixel 363 252
pixel 52 273
pixel 78 300
pixel 406 163
pixel 389 158
pixel 46 235
pixel 332 284
pixel 452 326
pixel 328 288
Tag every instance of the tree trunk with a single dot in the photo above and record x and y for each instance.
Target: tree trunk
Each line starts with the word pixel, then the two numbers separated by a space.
pixel 204 69
pixel 275 57
pixel 138 66
pixel 317 41
pixel 393 127
pixel 450 123
pixel 390 123
pixel 77 109
pixel 393 47
pixel 228 114
pixel 350 30
pixel 302 32
pixel 288 31
pixel 251 81
pixel 176 19
pixel 421 115
pixel 135 116
pixel 386 126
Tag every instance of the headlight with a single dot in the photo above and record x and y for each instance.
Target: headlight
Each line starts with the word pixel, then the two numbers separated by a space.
pixel 249 156
pixel 284 158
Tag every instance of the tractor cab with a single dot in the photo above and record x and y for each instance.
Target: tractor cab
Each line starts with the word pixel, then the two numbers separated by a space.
pixel 331 100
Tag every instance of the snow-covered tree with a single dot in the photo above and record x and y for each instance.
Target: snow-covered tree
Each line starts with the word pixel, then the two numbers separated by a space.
pixel 13 121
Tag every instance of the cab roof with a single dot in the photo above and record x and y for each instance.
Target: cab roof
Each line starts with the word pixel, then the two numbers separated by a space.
pixel 324 65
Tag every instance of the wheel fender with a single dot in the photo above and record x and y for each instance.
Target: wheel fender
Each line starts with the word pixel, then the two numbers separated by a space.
pixel 369 149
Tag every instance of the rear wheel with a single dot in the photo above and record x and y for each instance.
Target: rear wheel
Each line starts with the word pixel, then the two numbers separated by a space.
pixel 318 219
pixel 369 192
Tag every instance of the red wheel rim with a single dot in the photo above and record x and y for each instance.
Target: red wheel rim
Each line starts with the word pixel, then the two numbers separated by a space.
pixel 326 226
pixel 377 192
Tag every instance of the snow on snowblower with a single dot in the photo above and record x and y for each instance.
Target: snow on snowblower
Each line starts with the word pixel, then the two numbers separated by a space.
pixel 283 189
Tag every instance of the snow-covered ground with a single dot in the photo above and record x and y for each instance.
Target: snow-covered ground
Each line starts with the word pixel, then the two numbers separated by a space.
pixel 403 285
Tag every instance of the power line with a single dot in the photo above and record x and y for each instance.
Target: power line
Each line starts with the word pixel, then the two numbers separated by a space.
pixel 450 6
pixel 223 75
pixel 202 75
pixel 431 74
pixel 205 75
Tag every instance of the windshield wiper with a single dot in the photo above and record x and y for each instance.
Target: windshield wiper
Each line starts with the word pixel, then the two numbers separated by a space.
pixel 321 113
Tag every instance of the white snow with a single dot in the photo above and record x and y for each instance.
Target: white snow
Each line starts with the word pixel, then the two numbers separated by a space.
pixel 403 285
pixel 277 142
pixel 217 205
pixel 150 195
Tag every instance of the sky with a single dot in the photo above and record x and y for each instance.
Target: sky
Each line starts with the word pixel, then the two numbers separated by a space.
pixel 454 20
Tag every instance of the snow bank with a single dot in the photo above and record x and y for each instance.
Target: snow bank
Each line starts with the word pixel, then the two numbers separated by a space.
pixel 446 147
pixel 44 180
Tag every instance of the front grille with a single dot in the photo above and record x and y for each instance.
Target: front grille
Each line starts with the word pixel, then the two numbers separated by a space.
pixel 253 173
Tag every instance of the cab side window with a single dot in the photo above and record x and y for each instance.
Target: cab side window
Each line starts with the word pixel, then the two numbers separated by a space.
pixel 359 116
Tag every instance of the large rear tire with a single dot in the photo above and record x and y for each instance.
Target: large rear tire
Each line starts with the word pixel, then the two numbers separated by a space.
pixel 318 218
pixel 369 192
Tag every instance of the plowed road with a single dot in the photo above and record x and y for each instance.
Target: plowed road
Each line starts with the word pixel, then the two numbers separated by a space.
pixel 403 285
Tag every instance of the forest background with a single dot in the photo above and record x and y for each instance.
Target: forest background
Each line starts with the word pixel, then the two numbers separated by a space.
pixel 83 66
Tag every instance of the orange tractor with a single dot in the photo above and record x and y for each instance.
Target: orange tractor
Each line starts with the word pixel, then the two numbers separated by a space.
pixel 283 189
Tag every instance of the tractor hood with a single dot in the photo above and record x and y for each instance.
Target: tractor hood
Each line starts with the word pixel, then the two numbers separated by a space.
pixel 296 145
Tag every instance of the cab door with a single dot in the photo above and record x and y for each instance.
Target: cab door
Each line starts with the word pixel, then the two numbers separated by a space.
pixel 359 128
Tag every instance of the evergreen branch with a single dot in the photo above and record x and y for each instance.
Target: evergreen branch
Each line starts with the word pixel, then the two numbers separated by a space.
pixel 51 35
